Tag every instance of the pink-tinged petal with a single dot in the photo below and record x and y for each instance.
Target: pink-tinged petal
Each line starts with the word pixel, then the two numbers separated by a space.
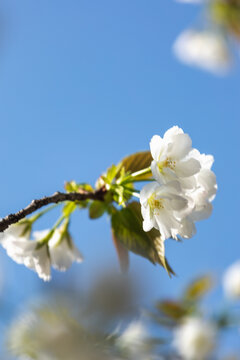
pixel 156 146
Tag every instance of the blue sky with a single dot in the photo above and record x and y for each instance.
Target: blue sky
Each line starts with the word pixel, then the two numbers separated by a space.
pixel 84 83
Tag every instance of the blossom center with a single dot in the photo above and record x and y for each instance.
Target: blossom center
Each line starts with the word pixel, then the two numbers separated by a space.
pixel 167 163
pixel 155 204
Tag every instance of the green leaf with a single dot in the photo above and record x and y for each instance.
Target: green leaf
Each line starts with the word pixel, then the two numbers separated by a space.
pixel 160 248
pixel 155 238
pixel 72 186
pixel 97 209
pixel 127 227
pixel 112 172
pixel 136 162
pixel 198 288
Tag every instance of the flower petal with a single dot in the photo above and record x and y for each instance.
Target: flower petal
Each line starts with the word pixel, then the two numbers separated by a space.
pixel 156 146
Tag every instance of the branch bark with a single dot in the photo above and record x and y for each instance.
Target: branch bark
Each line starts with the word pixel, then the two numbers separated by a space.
pixel 57 197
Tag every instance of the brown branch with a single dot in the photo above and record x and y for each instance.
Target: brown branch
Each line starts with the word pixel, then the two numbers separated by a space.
pixel 55 198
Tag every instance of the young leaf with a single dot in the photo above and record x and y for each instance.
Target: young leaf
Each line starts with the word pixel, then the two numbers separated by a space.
pixel 155 238
pixel 136 162
pixel 97 209
pixel 127 227
pixel 112 172
pixel 72 186
pixel 160 248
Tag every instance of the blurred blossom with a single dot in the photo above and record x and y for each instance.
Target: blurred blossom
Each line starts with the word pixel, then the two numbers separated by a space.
pixel 205 49
pixel 231 281
pixel 111 298
pixel 195 339
pixel 133 336
pixel 134 341
pixel 54 333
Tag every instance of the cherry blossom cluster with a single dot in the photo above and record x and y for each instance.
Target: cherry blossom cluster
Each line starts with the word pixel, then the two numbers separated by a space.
pixel 48 247
pixel 183 189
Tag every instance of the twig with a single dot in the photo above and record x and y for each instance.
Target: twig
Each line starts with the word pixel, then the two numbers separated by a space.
pixel 55 198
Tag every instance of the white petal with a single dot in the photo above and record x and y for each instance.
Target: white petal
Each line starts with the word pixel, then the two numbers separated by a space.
pixel 178 203
pixel 187 168
pixel 202 212
pixel 63 254
pixel 38 235
pixel 147 224
pixel 188 183
pixel 156 173
pixel 207 179
pixel 147 191
pixel 156 146
pixel 181 146
pixel 188 228
pixel 42 263
pixel 175 130
pixel 172 187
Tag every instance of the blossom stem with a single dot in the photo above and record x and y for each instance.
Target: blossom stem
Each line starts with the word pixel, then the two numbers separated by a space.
pixel 132 192
pixel 41 213
pixel 133 177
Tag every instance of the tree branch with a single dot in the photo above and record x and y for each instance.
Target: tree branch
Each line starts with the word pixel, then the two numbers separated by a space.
pixel 55 198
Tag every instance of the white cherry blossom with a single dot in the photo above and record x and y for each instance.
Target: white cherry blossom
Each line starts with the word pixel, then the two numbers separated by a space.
pixel 27 252
pixel 134 341
pixel 59 251
pixel 205 49
pixel 231 281
pixel 195 339
pixel 163 208
pixel 173 158
pixel 62 250
pixel 201 195
pixel 16 230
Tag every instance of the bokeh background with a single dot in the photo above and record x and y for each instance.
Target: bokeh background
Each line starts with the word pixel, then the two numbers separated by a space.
pixel 84 83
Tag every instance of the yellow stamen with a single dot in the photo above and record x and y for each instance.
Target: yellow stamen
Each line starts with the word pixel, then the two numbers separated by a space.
pixel 168 163
pixel 155 204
